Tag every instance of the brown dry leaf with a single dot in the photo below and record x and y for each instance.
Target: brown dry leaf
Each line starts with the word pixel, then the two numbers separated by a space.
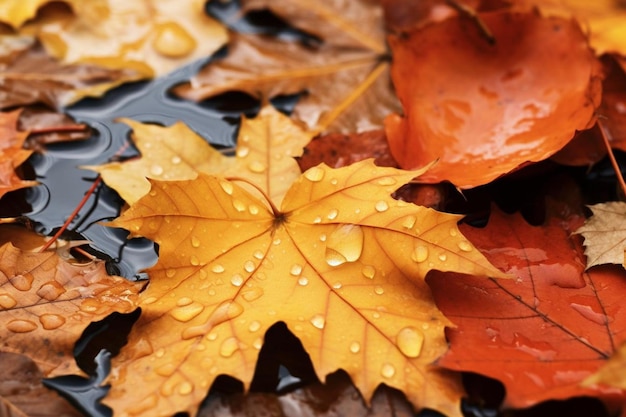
pixel 23 395
pixel 342 264
pixel 151 37
pixel 520 99
pixel 45 298
pixel 346 77
pixel 337 397
pixel 11 153
pixel 605 234
pixel 28 75
pixel 266 146
pixel 46 126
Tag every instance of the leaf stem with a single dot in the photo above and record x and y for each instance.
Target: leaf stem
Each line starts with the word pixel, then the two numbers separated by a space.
pixel 618 172
pixel 263 193
pixel 73 215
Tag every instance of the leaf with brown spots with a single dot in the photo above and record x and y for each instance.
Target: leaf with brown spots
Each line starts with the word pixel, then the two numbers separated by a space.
pixel 46 302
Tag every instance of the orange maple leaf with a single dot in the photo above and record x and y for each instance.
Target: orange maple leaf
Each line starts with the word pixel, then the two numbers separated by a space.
pixel 342 264
pixel 11 153
pixel 543 333
pixel 517 100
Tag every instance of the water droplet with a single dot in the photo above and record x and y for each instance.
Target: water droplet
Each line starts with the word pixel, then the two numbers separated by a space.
pixel 166 370
pixel 453 232
pixel 303 281
pixel 386 181
pixel 257 167
pixel 185 388
pixel 252 293
pixel 239 206
pixel 187 312
pixel 50 291
pixel 258 254
pixel 323 237
pixel 314 174
pixel 258 343
pixel 236 280
pixel 176 160
pixel 149 300
pixel 410 341
pixel 194 260
pixel 337 285
pixel 160 353
pixel 376 314
pixel 254 326
pixel 249 266
pixel 170 272
pixel 276 241
pixel 51 321
pixel 21 326
pixel 156 170
pixel 317 220
pixel 22 282
pixel 409 222
pixel 227 187
pixel 420 253
pixel 442 257
pixel 388 371
pixel 381 206
pixel 218 268
pixel 253 209
pixel 6 301
pixel 332 215
pixel 379 290
pixel 368 271
pixel 152 193
pixel 334 181
pixel 465 246
pixel 588 312
pixel 318 321
pixel 295 270
pixel 344 244
pixel 195 242
pixel 243 151
pixel 355 347
pixel 228 347
pixel 211 336
pixel 173 41
pixel 184 301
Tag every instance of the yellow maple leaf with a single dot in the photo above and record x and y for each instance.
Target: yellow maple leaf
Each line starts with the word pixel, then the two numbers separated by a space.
pixel 153 37
pixel 265 149
pixel 342 264
pixel 15 13
pixel 605 234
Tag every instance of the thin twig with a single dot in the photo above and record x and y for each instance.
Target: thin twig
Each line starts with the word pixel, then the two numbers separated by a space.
pixel 618 172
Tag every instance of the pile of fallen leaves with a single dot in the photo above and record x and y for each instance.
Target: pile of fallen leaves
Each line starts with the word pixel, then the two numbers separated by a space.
pixel 335 218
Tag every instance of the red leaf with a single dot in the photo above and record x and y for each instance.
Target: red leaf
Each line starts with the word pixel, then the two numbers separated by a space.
pixel 543 333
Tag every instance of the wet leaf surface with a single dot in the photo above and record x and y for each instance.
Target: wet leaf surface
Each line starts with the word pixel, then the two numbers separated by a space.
pixel 460 118
pixel 46 302
pixel 544 333
pixel 321 257
pixel 12 155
